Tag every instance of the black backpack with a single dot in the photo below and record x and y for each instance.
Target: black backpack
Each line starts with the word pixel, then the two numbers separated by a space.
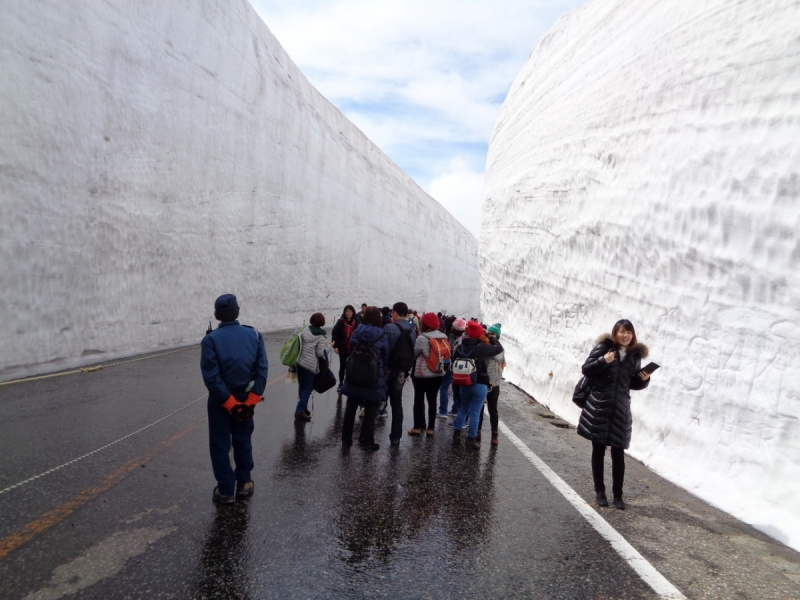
pixel 362 367
pixel 401 357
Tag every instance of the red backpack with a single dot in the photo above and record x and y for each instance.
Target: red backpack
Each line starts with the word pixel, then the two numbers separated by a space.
pixel 438 360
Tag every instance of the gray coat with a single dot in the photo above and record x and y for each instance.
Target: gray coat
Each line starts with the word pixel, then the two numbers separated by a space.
pixel 422 350
pixel 313 348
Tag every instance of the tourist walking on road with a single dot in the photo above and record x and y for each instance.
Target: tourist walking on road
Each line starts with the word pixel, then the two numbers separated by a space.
pixel 479 348
pixel 402 337
pixel 613 368
pixel 340 337
pixel 366 378
pixel 432 353
pixel 494 367
pixel 234 367
pixel 308 363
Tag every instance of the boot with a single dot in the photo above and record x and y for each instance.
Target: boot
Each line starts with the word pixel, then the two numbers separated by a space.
pixel 478 437
pixel 456 438
pixel 494 438
pixel 601 499
pixel 473 444
pixel 619 503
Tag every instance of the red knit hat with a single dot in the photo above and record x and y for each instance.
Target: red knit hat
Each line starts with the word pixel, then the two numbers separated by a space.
pixel 474 330
pixel 430 320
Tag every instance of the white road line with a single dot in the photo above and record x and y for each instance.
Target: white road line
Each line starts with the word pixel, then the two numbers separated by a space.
pixel 644 569
pixel 88 454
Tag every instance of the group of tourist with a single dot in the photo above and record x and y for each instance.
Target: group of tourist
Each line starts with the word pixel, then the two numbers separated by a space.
pixel 379 351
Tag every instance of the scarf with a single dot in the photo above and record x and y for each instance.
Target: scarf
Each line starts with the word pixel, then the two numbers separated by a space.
pixel 349 326
pixel 316 330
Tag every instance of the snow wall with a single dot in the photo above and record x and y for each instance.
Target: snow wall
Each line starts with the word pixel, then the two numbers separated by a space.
pixel 156 154
pixel 646 165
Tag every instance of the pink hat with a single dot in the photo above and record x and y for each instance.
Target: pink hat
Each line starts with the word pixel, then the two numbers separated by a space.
pixel 460 324
pixel 430 320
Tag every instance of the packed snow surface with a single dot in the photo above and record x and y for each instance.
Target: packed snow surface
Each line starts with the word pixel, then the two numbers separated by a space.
pixel 156 154
pixel 646 165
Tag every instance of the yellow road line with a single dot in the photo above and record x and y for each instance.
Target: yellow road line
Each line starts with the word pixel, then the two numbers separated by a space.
pixel 53 517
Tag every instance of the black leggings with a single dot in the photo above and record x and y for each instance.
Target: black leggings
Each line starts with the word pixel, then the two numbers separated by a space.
pixel 491 402
pixel 617 468
pixel 366 435
pixel 426 387
pixel 342 365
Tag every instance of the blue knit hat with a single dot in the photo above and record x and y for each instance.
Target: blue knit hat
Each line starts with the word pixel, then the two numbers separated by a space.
pixel 226 302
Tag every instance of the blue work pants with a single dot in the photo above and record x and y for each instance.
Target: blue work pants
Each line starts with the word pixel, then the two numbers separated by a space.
pixel 224 431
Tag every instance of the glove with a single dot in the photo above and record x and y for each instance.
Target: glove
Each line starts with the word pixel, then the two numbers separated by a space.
pixel 253 399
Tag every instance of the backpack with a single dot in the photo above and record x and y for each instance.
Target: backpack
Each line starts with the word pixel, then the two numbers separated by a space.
pixel 465 372
pixel 362 367
pixel 401 357
pixel 290 351
pixel 438 360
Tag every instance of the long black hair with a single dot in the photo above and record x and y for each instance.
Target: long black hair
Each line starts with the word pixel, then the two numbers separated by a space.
pixel 344 311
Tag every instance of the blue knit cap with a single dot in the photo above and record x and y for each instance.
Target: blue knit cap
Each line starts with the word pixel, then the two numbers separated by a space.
pixel 226 302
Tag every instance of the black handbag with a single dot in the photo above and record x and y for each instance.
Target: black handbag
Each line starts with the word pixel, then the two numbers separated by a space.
pixel 325 379
pixel 582 391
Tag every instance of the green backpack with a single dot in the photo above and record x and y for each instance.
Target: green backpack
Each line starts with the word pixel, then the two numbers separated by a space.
pixel 290 351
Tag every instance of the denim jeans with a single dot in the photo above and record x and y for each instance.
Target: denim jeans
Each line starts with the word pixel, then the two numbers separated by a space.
pixel 305 382
pixel 224 431
pixel 472 398
pixel 444 392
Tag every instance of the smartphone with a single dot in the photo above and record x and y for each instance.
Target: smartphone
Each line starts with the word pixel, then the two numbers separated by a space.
pixel 650 367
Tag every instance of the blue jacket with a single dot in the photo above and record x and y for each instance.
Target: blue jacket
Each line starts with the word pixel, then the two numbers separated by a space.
pixel 369 334
pixel 231 357
pixel 393 331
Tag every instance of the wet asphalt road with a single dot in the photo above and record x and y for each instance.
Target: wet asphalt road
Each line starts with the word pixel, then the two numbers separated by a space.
pixel 135 519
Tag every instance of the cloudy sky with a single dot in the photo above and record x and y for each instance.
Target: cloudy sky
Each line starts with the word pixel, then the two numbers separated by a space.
pixel 423 79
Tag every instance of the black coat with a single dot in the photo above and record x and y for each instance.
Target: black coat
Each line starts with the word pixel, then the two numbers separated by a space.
pixel 606 418
pixel 480 352
pixel 338 334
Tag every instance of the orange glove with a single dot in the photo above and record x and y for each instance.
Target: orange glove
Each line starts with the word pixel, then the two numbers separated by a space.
pixel 230 403
pixel 253 399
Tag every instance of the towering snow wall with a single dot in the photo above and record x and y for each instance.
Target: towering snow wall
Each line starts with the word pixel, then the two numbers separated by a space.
pixel 158 153
pixel 646 165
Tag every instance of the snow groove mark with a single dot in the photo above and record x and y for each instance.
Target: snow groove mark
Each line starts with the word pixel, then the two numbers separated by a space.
pixel 637 562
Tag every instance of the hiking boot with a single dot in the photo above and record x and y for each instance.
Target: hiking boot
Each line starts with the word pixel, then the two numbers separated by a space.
pixel 302 416
pixel 618 502
pixel 245 490
pixel 414 431
pixel 220 498
pixel 601 499
pixel 473 444
pixel 494 438
pixel 429 431
pixel 478 437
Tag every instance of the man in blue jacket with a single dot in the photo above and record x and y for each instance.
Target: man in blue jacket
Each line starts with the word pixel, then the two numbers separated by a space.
pixel 397 372
pixel 234 366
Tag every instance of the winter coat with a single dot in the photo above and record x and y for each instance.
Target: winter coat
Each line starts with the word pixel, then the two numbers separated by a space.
pixel 313 349
pixel 422 351
pixel 606 418
pixel 494 367
pixel 231 357
pixel 481 353
pixel 339 335
pixel 369 334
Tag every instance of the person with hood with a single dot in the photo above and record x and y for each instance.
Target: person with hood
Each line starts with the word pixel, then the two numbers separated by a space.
pixel 427 382
pixel 479 348
pixel 457 328
pixel 494 367
pixel 308 363
pixel 369 333
pixel 340 337
pixel 613 368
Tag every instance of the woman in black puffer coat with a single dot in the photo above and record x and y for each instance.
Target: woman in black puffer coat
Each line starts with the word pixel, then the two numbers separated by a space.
pixel 614 368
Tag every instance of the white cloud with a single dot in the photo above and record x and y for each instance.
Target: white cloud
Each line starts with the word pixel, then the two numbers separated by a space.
pixel 424 79
pixel 460 191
